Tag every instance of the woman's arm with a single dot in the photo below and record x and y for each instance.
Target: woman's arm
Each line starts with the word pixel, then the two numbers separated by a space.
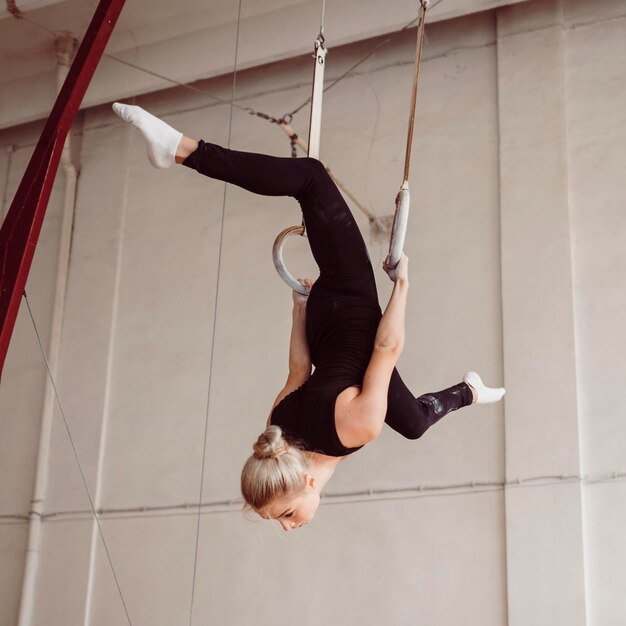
pixel 299 355
pixel 362 419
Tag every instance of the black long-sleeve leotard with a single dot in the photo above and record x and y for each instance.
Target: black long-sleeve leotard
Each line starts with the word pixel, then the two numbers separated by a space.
pixel 342 310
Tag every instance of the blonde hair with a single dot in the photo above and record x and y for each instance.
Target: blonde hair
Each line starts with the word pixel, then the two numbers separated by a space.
pixel 275 469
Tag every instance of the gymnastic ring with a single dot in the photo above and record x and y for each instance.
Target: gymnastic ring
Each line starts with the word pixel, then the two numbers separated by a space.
pixel 398 229
pixel 279 263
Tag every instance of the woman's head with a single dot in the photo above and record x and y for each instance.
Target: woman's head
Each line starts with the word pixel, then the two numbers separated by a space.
pixel 276 481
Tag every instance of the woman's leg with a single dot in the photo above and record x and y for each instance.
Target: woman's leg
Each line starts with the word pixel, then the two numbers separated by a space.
pixel 411 416
pixel 333 233
pixel 163 140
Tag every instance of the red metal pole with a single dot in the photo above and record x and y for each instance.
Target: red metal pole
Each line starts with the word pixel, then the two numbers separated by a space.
pixel 22 225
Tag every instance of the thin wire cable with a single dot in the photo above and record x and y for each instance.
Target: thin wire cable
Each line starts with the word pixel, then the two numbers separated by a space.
pixel 175 82
pixel 286 118
pixel 215 308
pixel 395 35
pixel 189 87
pixel 80 467
pixel 36 25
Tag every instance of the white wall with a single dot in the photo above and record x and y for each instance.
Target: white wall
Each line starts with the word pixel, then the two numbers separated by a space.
pixel 516 270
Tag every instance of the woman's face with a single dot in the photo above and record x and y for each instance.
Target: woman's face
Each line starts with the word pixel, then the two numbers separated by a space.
pixel 293 511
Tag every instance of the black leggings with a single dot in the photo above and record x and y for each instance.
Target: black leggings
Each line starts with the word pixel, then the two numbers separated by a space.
pixel 338 249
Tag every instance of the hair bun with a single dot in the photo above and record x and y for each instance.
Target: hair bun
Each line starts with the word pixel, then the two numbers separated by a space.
pixel 271 444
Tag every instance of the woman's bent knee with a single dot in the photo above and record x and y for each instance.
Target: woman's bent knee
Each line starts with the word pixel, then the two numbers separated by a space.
pixel 315 168
pixel 412 430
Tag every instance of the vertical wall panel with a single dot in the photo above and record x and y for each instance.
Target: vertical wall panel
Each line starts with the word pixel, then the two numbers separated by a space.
pixel 545 564
pixel 596 92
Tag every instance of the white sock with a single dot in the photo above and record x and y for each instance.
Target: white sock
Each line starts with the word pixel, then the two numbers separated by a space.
pixel 162 139
pixel 484 394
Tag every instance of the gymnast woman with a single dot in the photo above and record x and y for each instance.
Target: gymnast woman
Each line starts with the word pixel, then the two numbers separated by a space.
pixel 323 415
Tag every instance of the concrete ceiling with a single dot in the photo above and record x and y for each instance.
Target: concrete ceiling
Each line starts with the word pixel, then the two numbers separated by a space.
pixel 184 40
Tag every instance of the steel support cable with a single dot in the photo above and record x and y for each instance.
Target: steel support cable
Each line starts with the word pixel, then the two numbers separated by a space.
pixel 287 118
pixel 322 19
pixel 77 458
pixel 274 120
pixel 371 53
pixel 92 507
pixel 25 216
pixel 215 309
